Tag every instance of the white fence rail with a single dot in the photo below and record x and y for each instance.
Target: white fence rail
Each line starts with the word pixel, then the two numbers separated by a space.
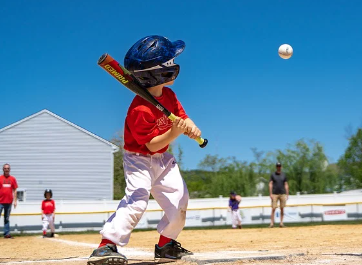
pixel 91 215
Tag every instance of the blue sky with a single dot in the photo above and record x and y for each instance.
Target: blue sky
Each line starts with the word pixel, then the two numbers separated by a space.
pixel 232 82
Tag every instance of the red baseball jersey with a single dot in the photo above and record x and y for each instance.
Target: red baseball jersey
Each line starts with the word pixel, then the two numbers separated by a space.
pixel 7 186
pixel 48 206
pixel 144 121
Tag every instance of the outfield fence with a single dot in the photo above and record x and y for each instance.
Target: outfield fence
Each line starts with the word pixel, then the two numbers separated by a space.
pixel 202 212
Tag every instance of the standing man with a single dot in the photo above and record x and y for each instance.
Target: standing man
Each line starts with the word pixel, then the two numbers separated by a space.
pixel 279 191
pixel 8 186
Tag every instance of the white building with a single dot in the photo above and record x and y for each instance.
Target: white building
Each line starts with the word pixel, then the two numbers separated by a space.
pixel 47 151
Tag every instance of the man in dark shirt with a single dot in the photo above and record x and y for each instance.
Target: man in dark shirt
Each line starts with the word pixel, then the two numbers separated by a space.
pixel 279 191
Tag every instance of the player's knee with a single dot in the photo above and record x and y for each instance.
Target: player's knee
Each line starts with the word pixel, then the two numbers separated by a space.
pixel 178 220
pixel 139 199
pixel 184 201
pixel 184 198
pixel 140 206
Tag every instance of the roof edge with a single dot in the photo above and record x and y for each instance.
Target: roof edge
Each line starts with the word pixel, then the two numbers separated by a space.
pixel 114 147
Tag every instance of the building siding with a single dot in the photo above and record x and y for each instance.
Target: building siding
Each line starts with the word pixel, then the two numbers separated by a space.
pixel 47 152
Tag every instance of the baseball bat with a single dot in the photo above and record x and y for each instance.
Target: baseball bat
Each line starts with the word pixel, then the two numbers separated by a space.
pixel 128 80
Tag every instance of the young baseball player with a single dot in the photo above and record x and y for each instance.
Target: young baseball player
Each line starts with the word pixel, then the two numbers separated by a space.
pixel 48 213
pixel 234 202
pixel 148 168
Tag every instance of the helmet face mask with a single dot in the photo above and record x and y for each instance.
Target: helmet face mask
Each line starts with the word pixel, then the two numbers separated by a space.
pixel 152 60
pixel 156 77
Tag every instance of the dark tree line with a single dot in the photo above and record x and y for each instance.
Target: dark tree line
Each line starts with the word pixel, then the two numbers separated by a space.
pixel 305 163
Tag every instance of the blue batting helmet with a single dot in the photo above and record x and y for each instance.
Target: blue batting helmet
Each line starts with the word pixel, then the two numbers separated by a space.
pixel 151 60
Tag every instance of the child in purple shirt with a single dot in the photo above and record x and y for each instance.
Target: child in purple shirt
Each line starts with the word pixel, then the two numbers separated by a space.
pixel 234 207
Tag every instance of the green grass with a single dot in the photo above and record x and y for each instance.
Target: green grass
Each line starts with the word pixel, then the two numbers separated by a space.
pixel 211 227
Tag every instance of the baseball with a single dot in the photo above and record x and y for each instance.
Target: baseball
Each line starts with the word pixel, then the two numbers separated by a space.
pixel 285 51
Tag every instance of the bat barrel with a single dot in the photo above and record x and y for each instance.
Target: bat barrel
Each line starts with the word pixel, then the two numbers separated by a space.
pixel 102 58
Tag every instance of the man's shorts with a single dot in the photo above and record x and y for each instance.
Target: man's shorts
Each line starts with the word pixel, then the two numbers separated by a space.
pixel 282 198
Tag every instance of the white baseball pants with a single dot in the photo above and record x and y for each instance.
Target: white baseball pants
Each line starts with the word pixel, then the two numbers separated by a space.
pixel 236 218
pixel 160 176
pixel 48 221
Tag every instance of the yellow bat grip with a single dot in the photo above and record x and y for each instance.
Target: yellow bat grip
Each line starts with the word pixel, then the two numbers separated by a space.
pixel 201 141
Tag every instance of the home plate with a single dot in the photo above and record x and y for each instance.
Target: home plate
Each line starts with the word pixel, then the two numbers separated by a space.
pixel 229 256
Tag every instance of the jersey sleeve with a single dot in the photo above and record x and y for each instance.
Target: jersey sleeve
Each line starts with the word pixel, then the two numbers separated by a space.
pixel 230 203
pixel 142 124
pixel 42 205
pixel 178 110
pixel 15 184
pixel 54 204
pixel 285 178
pixel 271 178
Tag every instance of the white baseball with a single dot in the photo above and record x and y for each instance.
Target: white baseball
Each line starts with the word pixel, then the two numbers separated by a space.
pixel 285 51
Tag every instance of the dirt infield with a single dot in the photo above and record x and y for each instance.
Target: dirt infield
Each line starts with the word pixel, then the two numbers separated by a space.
pixel 314 245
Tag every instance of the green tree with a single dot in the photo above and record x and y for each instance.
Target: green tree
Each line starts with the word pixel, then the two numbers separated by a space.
pixel 119 183
pixel 180 154
pixel 228 174
pixel 263 166
pixel 306 166
pixel 212 163
pixel 351 163
pixel 304 162
pixel 170 149
pixel 198 183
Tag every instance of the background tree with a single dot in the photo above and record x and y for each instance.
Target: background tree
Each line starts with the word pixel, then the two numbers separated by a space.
pixel 180 154
pixel 351 163
pixel 304 162
pixel 306 166
pixel 119 183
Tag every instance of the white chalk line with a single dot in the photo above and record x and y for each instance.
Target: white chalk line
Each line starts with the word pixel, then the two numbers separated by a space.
pixel 137 253
pixel 45 260
pixel 128 252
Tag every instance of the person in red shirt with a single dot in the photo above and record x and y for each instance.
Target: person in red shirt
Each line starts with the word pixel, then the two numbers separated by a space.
pixel 8 186
pixel 148 168
pixel 48 213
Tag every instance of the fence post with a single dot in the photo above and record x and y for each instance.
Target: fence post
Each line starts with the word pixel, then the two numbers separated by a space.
pixel 61 219
pixel 312 212
pixel 105 207
pixel 357 206
pixel 262 215
pixel 213 216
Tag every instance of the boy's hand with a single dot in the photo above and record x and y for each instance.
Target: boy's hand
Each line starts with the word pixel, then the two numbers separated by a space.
pixel 178 126
pixel 192 130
